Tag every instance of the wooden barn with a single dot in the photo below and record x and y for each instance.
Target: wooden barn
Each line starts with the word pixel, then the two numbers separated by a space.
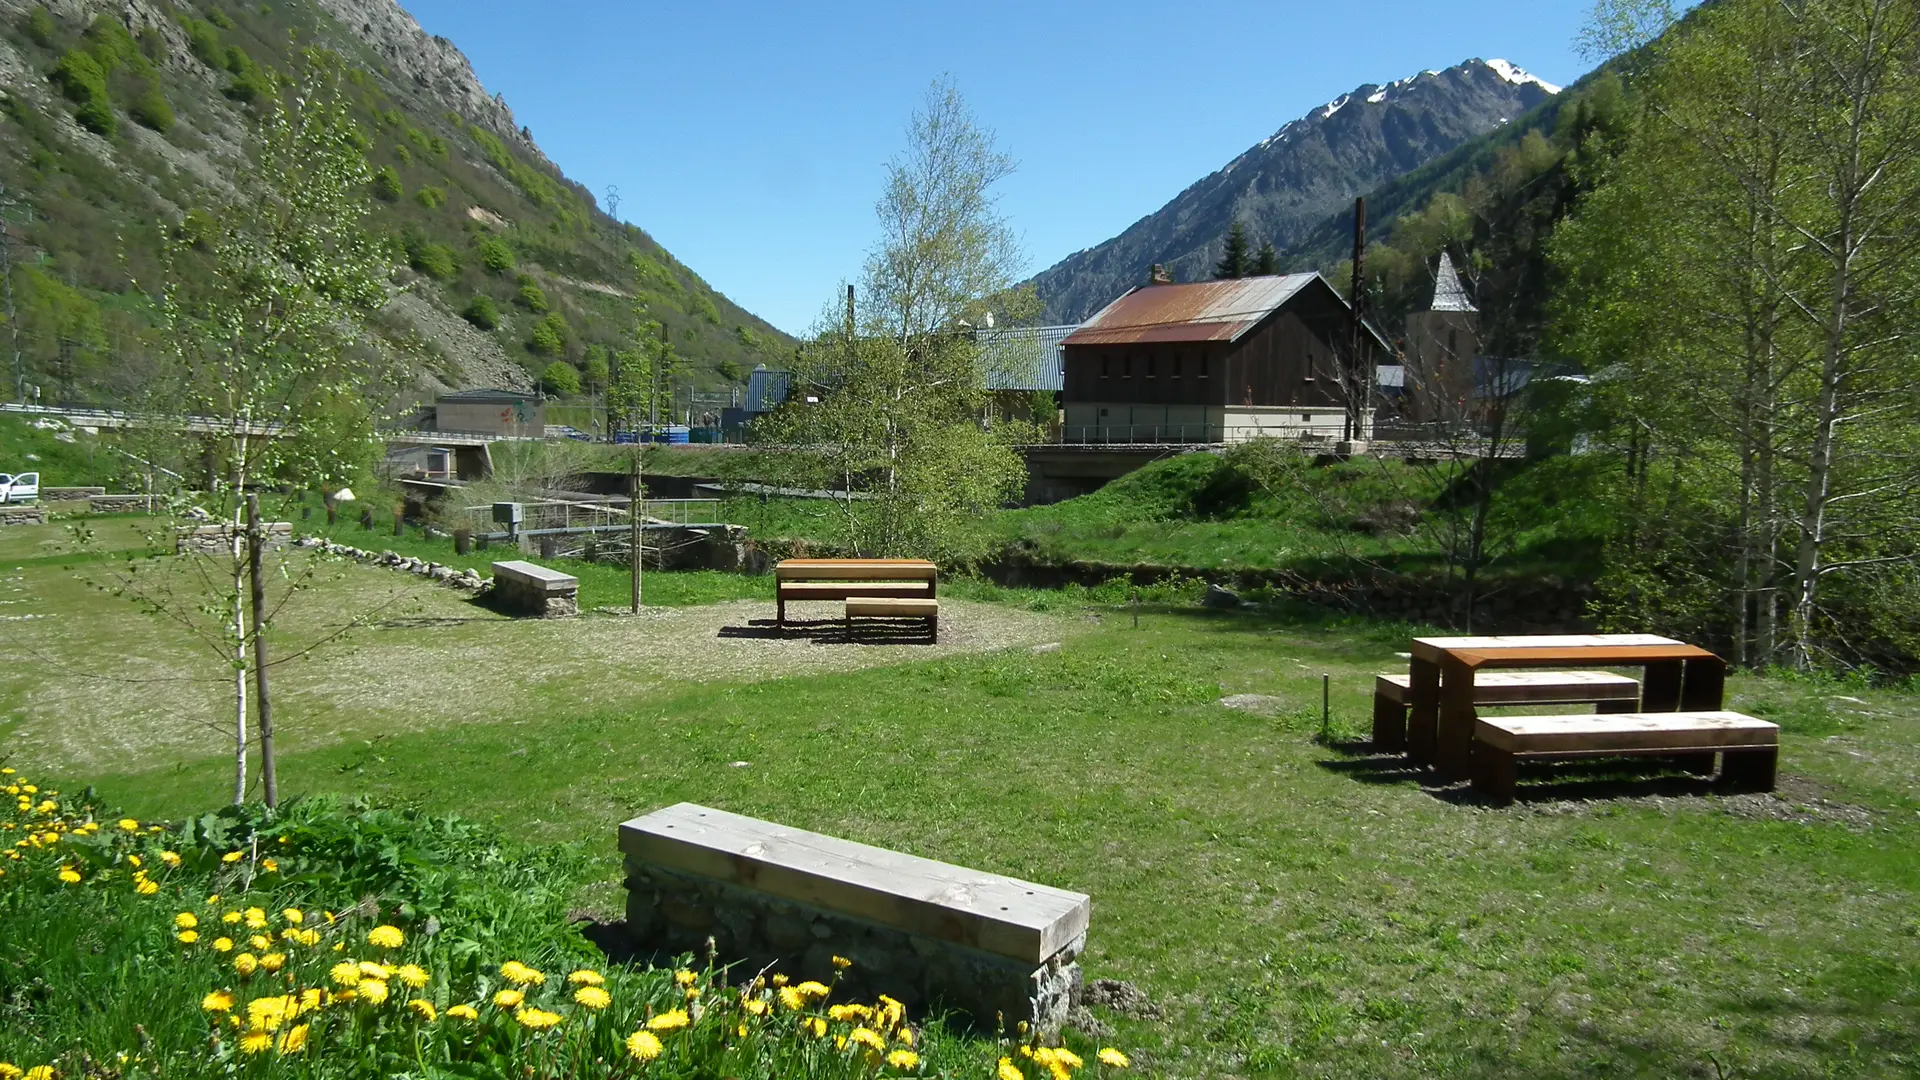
pixel 1220 362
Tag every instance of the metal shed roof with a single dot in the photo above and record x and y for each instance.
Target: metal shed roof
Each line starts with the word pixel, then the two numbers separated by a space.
pixel 1023 357
pixel 1199 311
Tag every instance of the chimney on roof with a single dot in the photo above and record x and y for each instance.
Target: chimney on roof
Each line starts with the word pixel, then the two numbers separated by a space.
pixel 1159 276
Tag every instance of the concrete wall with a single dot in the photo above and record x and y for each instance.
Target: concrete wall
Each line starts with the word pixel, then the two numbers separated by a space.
pixel 523 416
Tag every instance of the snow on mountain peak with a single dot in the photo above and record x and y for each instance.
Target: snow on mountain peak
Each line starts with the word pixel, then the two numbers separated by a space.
pixel 1519 77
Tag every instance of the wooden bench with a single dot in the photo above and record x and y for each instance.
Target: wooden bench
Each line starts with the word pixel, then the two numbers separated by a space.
pixel 1607 692
pixel 925 932
pixel 1749 749
pixel 849 579
pixel 530 589
pixel 874 607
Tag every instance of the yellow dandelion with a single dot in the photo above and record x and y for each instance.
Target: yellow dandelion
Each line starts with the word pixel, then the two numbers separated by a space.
pixel 246 963
pixel 69 875
pixel 40 1072
pixel 643 1046
pixel 817 1028
pixel 905 1036
pixel 842 963
pixel 132 860
pixel 273 961
pixel 386 937
pixel 270 866
pixel 223 944
pixel 1110 1057
pixel 373 991
pixel 293 915
pixel 848 1013
pixel 592 997
pixel 537 1019
pixel 463 1012
pixel 188 937
pixel 684 977
pixel 1067 1057
pixel 186 920
pixel 1007 1070
pixel 867 1037
pixel 904 1059
pixel 312 999
pixel 8 1070
pixel 509 999
pixel 586 977
pixel 780 980
pixel 693 993
pixel 127 824
pixel 813 990
pixel 792 1000
pixel 259 941
pixel 521 975
pixel 256 918
pixel 671 1020
pixel 755 1006
pixel 411 974
pixel 230 918
pixel 422 1008
pixel 345 973
pixel 255 1040
pixel 371 970
pixel 268 1012
pixel 171 858
pixel 217 1001
pixel 295 1040
pixel 146 887
pixel 233 856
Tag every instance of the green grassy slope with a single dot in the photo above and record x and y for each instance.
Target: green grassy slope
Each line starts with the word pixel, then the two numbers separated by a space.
pixel 100 168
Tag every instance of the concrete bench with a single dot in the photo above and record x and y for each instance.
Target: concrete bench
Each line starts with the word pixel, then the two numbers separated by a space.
pixel 1749 749
pixel 876 607
pixel 529 589
pixel 1607 692
pixel 925 932
pixel 848 579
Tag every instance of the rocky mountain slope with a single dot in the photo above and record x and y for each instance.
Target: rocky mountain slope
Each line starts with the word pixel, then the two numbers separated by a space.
pixel 1296 178
pixel 120 117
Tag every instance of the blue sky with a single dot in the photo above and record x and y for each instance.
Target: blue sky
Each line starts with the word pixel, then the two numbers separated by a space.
pixel 749 138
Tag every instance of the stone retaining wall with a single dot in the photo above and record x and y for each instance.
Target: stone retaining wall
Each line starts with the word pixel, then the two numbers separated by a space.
pixel 218 539
pixel 673 912
pixel 115 503
pixel 23 515
pixel 71 494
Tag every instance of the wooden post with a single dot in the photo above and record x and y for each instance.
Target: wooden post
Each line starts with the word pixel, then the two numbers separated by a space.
pixel 463 541
pixel 366 518
pixel 1326 710
pixel 399 523
pixel 549 546
pixel 263 709
pixel 333 512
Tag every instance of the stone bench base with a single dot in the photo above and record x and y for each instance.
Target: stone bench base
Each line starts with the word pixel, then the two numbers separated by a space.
pixel 524 588
pixel 674 912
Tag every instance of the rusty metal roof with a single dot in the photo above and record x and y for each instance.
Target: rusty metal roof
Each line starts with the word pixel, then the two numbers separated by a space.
pixel 1200 311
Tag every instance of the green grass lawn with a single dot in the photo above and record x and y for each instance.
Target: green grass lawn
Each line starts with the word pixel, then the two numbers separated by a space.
pixel 1293 907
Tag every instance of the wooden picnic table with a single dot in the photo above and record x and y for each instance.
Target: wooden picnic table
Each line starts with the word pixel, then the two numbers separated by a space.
pixel 1678 677
pixel 852 579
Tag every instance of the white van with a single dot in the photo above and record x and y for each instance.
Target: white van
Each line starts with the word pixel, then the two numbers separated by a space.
pixel 24 488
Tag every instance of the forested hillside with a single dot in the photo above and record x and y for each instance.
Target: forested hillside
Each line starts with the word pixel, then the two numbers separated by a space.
pixel 118 120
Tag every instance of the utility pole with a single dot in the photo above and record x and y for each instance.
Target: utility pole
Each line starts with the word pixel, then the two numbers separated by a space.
pixel 636 502
pixel 13 320
pixel 1357 386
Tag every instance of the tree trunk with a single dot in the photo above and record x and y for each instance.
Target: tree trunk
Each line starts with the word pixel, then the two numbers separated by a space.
pixel 263 708
pixel 637 503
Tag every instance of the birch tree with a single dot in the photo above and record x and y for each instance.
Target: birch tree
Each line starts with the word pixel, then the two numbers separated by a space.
pixel 267 382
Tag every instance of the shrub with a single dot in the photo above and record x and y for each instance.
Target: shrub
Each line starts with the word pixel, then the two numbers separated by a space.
pixel 402 155
pixel 251 82
pixel 482 313
pixel 219 18
pixel 203 41
pixel 531 296
pixel 496 255
pixel 559 377
pixel 597 368
pixel 151 109
pixel 549 336
pixel 386 184
pixel 730 369
pixel 79 77
pixel 39 26
pixel 432 198
pixel 434 260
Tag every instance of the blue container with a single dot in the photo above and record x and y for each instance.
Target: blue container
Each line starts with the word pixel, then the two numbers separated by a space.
pixel 677 435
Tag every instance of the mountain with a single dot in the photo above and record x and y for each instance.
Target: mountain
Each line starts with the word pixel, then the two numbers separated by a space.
pixel 118 118
pixel 1297 177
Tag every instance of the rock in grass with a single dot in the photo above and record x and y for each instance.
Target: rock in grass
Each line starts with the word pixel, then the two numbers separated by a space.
pixel 1222 598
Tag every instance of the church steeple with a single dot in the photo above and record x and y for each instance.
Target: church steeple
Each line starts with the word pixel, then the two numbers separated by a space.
pixel 1448 293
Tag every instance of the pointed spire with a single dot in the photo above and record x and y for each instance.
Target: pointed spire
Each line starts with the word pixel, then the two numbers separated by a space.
pixel 1448 293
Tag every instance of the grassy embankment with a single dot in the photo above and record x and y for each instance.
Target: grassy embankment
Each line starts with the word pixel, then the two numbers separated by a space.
pixel 1294 908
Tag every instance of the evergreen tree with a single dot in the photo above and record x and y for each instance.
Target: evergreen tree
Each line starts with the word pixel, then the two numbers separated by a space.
pixel 1234 262
pixel 1267 263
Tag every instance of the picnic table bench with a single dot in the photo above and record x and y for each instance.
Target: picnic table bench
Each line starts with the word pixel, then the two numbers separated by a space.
pixel 1749 749
pixel 855 580
pixel 922 931
pixel 1392 694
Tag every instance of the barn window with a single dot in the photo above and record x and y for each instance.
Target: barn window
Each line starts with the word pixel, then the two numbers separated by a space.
pixel 1309 376
pixel 1203 365
pixel 1106 367
pixel 1153 365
